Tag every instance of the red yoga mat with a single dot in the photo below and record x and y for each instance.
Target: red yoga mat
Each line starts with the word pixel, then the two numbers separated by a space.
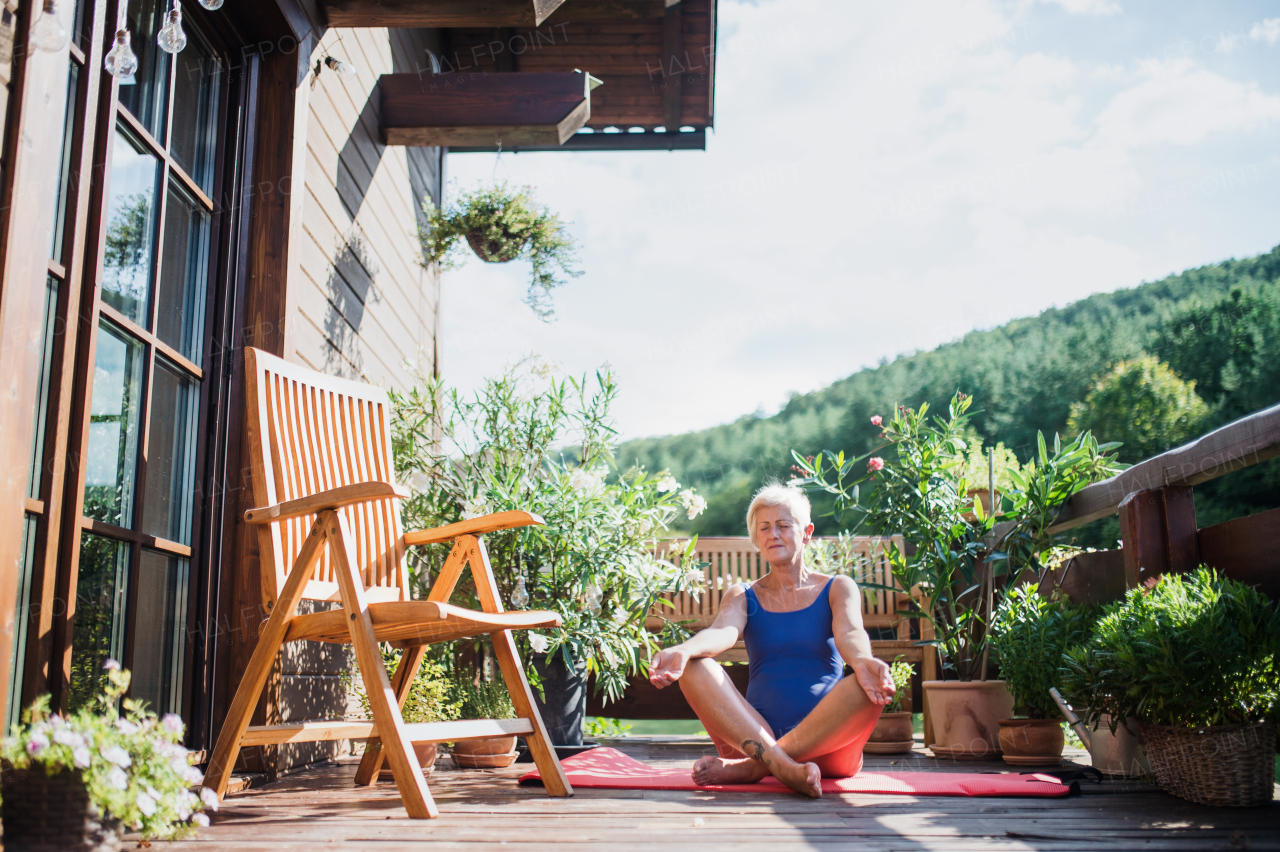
pixel 610 769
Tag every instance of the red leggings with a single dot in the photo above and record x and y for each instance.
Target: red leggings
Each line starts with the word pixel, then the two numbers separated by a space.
pixel 843 761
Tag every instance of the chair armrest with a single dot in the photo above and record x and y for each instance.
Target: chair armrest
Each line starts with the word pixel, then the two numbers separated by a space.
pixel 360 492
pixel 475 526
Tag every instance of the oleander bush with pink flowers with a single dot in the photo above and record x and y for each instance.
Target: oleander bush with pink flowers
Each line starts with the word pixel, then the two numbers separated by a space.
pixel 133 764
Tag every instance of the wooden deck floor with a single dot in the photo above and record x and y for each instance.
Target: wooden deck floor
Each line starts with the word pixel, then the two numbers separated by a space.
pixel 486 809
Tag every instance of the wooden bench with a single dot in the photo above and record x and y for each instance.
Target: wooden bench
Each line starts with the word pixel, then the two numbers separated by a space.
pixel 735 559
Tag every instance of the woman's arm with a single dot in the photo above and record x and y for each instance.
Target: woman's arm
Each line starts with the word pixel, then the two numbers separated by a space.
pixel 854 644
pixel 667 665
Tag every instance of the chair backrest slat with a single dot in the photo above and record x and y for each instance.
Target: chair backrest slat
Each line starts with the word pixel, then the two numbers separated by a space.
pixel 309 433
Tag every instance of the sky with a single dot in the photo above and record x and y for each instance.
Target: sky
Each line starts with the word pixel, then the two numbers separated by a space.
pixel 883 178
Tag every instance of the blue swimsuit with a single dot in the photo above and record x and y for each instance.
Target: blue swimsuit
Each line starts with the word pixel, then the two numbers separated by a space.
pixel 794 661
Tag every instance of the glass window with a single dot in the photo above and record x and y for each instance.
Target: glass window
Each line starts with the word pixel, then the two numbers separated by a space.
pixel 184 269
pixel 146 93
pixel 131 215
pixel 195 109
pixel 18 651
pixel 64 165
pixel 35 477
pixel 171 454
pixel 111 466
pixel 159 631
pixel 101 592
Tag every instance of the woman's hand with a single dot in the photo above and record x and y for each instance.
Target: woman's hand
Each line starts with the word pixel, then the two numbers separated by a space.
pixel 667 666
pixel 873 676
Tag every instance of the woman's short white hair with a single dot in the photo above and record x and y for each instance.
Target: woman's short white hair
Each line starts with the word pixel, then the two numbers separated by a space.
pixel 777 494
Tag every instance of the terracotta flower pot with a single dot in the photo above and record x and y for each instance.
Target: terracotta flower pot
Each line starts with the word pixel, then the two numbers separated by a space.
pixel 966 716
pixel 892 735
pixel 1120 754
pixel 427 754
pixel 1031 742
pixel 484 752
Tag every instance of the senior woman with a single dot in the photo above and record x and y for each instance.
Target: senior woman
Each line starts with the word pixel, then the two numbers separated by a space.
pixel 801 719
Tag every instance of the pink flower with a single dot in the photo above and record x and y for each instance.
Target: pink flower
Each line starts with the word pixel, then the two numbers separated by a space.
pixel 876 420
pixel 875 463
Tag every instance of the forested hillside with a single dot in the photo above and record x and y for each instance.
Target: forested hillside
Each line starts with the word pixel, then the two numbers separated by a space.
pixel 1217 326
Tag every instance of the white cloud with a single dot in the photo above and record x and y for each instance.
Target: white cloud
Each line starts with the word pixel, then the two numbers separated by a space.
pixel 1178 103
pixel 1268 31
pixel 1088 7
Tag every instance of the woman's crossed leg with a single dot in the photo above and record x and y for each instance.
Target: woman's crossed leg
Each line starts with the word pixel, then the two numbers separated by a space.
pixel 827 743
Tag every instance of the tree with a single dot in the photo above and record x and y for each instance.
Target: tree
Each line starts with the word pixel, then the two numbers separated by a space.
pixel 1142 404
pixel 1230 349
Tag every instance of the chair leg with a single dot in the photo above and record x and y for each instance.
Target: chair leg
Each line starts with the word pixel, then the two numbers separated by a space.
pixel 504 648
pixel 382 700
pixel 270 638
pixel 401 682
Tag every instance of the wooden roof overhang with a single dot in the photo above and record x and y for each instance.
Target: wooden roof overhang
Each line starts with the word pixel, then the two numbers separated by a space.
pixel 543 108
pixel 655 58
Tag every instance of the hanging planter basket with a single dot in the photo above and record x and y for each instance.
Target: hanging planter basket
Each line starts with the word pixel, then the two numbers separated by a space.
pixel 47 812
pixel 495 250
pixel 1224 765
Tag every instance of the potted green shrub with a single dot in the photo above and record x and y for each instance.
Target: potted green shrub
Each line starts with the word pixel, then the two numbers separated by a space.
pixel 894 732
pixel 956 575
pixel 593 561
pixel 78 782
pixel 483 698
pixel 1194 658
pixel 1032 635
pixel 430 699
pixel 500 224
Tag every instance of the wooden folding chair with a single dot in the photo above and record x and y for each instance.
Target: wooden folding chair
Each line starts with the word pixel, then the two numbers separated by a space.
pixel 329 530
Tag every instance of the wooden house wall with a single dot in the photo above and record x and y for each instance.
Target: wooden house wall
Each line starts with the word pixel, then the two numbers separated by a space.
pixel 365 305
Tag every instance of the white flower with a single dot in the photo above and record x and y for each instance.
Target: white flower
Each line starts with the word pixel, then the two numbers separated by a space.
pixel 116 778
pixel 81 756
pixel 117 755
pixel 192 775
pixel 66 736
pixel 126 727
pixel 694 504
pixel 693 577
pixel 146 804
pixel 209 798
pixel 111 665
pixel 538 643
pixel 674 547
pixel 418 482
pixel 667 482
pixel 37 743
pixel 200 820
pixel 172 723
pixel 586 482
pixel 475 507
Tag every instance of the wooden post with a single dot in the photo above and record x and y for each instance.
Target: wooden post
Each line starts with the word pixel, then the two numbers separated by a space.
pixel 1158 527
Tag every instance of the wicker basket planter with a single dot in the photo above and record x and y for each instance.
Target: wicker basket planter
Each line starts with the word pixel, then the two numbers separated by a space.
pixel 43 813
pixel 1228 765
pixel 494 251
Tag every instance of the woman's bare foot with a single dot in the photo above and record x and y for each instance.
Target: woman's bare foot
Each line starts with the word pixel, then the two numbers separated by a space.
pixel 804 778
pixel 720 770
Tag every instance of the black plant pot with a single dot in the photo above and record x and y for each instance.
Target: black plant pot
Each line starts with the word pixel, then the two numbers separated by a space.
pixel 564 702
pixel 563 706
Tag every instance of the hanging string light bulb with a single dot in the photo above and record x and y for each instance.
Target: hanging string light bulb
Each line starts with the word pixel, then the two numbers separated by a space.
pixel 212 5
pixel 48 33
pixel 171 37
pixel 120 61
pixel 519 595
pixel 345 70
